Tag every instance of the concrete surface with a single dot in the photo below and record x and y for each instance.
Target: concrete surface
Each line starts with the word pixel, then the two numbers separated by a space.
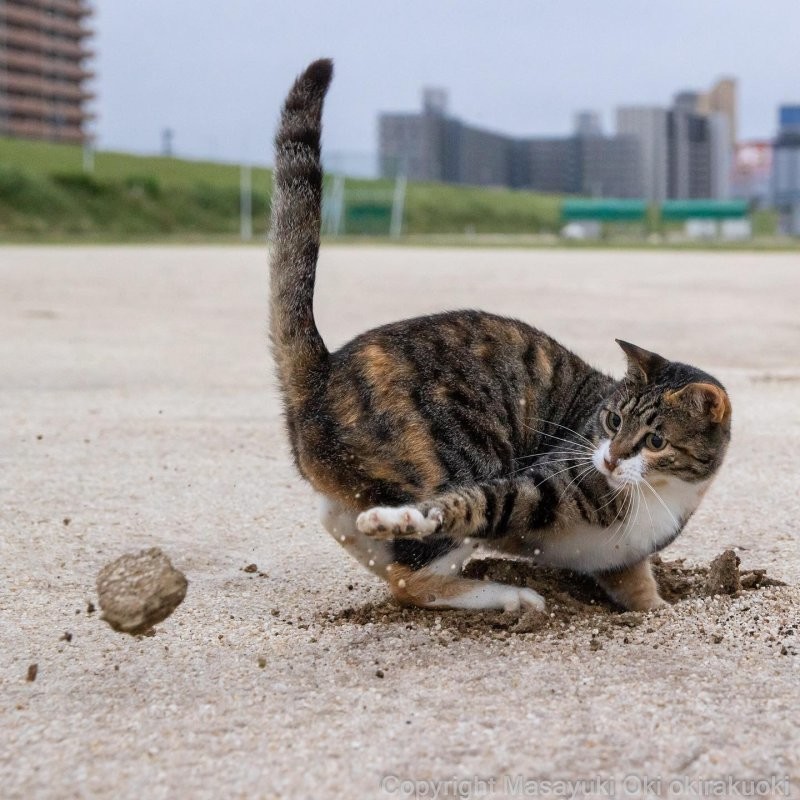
pixel 138 409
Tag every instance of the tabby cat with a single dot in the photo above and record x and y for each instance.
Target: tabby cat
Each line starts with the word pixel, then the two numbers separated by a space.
pixel 430 437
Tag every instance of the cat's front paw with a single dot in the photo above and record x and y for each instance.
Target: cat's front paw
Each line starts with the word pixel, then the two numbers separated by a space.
pixel 385 522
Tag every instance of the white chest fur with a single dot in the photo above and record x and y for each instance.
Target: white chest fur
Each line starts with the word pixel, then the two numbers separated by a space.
pixel 651 521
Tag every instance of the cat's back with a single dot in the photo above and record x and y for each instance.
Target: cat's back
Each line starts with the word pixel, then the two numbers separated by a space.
pixel 427 402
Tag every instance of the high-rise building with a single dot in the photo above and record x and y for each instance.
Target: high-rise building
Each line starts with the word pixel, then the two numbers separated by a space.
pixel 587 123
pixel 687 149
pixel 786 169
pixel 722 151
pixel 649 127
pixel 43 73
pixel 721 99
pixel 610 166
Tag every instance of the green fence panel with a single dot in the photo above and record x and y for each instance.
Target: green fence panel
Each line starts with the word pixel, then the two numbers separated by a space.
pixel 606 210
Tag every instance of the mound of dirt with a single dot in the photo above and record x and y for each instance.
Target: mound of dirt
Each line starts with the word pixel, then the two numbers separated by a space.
pixel 568 594
pixel 137 591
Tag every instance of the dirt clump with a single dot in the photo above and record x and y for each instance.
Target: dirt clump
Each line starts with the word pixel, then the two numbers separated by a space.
pixel 139 590
pixel 677 581
pixel 723 574
pixel 570 597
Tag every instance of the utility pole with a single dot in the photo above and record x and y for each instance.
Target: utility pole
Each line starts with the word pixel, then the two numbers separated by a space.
pixel 246 202
pixel 398 204
pixel 88 155
pixel 167 136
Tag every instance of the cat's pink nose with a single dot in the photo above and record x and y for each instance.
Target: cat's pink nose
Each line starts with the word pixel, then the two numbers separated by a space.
pixel 610 465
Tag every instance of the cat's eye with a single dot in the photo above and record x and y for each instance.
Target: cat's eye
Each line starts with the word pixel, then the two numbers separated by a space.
pixel 655 441
pixel 613 421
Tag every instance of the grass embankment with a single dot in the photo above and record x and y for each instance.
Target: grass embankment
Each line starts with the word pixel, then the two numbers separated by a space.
pixel 45 194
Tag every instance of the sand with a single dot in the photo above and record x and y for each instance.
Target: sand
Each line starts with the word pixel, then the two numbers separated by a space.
pixel 138 410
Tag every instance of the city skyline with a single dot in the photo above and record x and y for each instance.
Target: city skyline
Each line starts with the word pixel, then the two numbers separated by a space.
pixel 681 151
pixel 524 71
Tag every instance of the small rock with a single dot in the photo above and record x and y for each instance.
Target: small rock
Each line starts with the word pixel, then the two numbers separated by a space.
pixel 90 609
pixel 66 637
pixel 139 590
pixel 33 671
pixel 66 521
pixel 262 662
pixel 378 673
pixel 250 568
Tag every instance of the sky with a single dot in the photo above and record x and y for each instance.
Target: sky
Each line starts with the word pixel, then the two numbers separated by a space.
pixel 216 72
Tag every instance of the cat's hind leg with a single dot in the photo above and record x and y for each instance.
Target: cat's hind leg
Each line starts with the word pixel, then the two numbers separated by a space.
pixel 425 573
pixel 439 583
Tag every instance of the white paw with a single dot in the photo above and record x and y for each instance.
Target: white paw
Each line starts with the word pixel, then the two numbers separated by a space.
pixel 386 522
pixel 524 598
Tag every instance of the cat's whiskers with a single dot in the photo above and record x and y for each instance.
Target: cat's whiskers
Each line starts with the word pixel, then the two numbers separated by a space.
pixel 635 517
pixel 564 427
pixel 658 497
pixel 621 510
pixel 572 442
pixel 630 515
pixel 630 519
pixel 577 478
pixel 652 523
pixel 563 452
pixel 565 456
pixel 550 477
pixel 615 493
pixel 546 456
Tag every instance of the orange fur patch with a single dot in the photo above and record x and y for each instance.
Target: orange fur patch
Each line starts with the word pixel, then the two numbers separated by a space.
pixel 702 396
pixel 419 587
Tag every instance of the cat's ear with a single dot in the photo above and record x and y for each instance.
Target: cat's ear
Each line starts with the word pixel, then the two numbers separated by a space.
pixel 702 399
pixel 642 364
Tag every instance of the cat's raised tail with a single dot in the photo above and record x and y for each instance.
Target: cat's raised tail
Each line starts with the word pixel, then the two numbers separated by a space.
pixel 300 353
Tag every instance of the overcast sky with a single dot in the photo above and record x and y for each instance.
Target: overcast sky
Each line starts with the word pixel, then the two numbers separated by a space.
pixel 216 72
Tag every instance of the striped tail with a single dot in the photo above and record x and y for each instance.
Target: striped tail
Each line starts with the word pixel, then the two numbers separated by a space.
pixel 299 351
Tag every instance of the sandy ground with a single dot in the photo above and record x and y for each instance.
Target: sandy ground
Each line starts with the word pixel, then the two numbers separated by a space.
pixel 138 408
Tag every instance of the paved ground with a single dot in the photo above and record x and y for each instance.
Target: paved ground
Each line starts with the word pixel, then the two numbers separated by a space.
pixel 138 408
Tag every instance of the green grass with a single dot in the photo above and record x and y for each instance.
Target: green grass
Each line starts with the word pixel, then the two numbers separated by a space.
pixel 74 205
pixel 47 158
pixel 46 196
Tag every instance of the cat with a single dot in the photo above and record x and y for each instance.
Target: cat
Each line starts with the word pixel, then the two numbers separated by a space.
pixel 430 437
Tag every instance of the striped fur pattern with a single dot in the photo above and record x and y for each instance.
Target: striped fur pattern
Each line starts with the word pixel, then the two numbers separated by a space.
pixel 429 437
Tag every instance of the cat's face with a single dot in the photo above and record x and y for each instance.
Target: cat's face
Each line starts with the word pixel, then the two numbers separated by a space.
pixel 665 421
